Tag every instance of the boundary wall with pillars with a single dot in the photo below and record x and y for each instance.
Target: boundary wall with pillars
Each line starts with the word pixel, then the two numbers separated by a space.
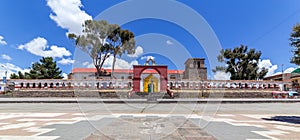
pixel 228 84
pixel 104 84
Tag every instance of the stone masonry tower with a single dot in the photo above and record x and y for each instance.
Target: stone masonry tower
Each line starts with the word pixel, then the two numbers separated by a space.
pixel 195 69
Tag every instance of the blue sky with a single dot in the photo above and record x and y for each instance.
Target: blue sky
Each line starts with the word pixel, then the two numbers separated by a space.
pixel 28 32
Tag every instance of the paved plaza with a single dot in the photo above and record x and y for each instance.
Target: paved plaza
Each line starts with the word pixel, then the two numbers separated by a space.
pixel 186 121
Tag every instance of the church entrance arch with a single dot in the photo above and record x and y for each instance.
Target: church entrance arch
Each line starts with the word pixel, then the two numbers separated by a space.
pixel 161 69
pixel 150 83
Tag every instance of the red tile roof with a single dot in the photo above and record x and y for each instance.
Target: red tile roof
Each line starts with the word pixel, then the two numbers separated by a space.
pixel 93 70
pixel 81 70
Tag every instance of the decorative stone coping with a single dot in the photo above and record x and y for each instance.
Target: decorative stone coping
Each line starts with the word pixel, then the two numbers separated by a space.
pixel 103 84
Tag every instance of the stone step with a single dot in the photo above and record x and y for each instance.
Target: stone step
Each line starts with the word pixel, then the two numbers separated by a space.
pixel 150 96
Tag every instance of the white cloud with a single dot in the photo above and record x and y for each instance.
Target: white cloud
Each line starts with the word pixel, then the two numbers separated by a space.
pixel 68 14
pixel 65 75
pixel 39 47
pixel 91 65
pixel 5 57
pixel 169 42
pixel 266 63
pixel 138 51
pixel 66 61
pixel 120 63
pixel 220 75
pixel 85 63
pixel 2 42
pixel 272 68
pixel 88 64
pixel 289 70
pixel 147 58
pixel 10 68
pixel 276 73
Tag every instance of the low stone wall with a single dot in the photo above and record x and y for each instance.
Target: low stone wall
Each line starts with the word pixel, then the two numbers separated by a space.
pixel 101 94
pixel 64 93
pixel 83 93
pixel 123 95
pixel 248 94
pixel 42 94
pixel 188 95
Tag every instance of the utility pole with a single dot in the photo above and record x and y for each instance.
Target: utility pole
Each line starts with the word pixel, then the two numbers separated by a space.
pixel 282 71
pixel 282 77
pixel 5 78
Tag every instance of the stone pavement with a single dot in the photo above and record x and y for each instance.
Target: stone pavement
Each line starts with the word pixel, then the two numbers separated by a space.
pixel 151 127
pixel 50 126
pixel 44 121
pixel 124 100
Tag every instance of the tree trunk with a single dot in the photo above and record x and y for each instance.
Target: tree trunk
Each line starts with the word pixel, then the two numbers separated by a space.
pixel 101 64
pixel 98 74
pixel 113 66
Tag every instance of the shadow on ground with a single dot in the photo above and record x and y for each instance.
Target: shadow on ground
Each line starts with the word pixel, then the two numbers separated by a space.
pixel 288 119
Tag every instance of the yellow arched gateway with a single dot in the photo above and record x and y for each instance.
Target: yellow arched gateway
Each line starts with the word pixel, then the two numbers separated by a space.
pixel 148 80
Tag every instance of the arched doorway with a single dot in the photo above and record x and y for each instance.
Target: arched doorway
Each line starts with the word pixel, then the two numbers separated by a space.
pixel 150 83
pixel 161 69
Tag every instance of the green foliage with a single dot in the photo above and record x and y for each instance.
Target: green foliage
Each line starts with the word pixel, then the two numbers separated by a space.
pixel 295 43
pixel 14 76
pixel 45 69
pixel 241 63
pixel 219 68
pixel 20 75
pixel 122 42
pixel 101 39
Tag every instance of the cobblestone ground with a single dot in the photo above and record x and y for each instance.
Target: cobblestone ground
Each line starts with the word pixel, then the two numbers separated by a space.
pixel 17 121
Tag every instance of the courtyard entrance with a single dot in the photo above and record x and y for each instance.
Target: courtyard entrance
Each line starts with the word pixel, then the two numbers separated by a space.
pixel 151 83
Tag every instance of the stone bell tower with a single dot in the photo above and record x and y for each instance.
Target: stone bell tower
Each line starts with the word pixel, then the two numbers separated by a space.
pixel 195 69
